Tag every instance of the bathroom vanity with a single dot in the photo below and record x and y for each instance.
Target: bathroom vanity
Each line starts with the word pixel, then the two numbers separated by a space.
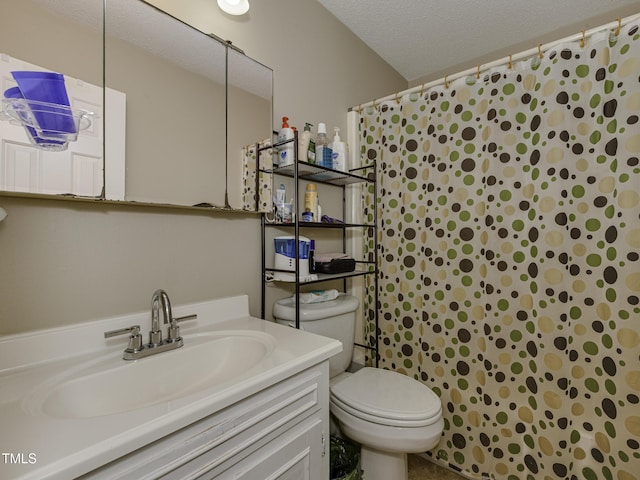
pixel 243 398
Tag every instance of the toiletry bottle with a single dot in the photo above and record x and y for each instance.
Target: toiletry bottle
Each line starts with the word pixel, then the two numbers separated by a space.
pixel 323 152
pixel 280 199
pixel 312 256
pixel 311 201
pixel 286 152
pixel 303 144
pixel 281 194
pixel 339 152
pixel 307 216
pixel 311 151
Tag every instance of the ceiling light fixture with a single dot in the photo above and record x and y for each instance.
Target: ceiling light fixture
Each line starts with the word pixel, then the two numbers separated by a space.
pixel 234 7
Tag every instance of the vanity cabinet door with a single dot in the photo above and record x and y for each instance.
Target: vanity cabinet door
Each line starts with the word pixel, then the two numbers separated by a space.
pixel 296 455
pixel 277 433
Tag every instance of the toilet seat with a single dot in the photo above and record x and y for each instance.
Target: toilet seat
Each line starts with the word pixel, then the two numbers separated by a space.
pixel 387 398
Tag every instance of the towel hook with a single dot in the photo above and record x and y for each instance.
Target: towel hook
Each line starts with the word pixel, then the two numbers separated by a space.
pixel 478 73
pixel 540 50
pixel 582 42
pixel 446 82
pixel 619 26
pixel 510 62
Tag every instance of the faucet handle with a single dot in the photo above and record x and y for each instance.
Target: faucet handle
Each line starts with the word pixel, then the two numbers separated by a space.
pixel 134 330
pixel 186 317
pixel 135 339
pixel 173 331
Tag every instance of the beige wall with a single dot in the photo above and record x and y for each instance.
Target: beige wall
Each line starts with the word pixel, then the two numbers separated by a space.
pixel 320 67
pixel 65 262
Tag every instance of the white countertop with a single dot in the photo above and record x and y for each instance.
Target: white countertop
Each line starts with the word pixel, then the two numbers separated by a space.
pixel 38 446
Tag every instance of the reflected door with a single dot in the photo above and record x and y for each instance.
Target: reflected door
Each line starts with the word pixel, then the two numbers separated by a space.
pixel 78 170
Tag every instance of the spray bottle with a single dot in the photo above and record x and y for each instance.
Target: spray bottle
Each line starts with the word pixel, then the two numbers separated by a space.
pixel 311 203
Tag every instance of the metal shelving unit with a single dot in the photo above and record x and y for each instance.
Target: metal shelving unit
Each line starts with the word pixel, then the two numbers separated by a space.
pixel 299 171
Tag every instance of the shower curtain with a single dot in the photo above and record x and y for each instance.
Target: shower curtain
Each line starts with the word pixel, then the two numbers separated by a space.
pixel 509 242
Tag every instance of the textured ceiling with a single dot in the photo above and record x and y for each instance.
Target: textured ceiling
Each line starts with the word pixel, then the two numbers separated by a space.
pixel 420 38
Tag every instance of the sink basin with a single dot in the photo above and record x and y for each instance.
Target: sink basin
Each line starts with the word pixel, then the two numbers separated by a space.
pixel 110 386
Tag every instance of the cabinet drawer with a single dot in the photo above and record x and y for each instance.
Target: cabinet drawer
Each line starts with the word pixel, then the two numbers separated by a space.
pixel 221 440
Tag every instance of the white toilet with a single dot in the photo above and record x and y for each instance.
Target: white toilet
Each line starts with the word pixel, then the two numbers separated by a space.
pixel 387 413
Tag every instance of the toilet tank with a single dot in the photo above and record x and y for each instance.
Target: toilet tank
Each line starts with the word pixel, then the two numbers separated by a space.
pixel 334 319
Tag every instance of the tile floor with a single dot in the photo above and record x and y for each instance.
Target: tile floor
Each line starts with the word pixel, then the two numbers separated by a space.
pixel 422 469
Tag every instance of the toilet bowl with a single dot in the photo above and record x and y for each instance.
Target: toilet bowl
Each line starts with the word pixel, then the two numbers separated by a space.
pixel 390 415
pixel 387 413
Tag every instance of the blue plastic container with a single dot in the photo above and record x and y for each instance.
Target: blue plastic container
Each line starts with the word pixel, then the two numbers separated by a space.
pixel 287 246
pixel 47 90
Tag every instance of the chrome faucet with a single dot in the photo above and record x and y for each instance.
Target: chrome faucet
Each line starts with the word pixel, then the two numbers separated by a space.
pixel 159 298
pixel 135 350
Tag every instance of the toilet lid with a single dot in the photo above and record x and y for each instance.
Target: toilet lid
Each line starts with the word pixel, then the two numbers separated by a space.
pixel 387 397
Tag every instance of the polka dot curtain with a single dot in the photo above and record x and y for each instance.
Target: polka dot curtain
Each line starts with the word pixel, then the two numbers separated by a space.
pixel 509 242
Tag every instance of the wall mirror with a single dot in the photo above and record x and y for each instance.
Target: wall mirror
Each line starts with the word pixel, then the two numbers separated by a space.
pixel 249 113
pixel 171 107
pixel 39 35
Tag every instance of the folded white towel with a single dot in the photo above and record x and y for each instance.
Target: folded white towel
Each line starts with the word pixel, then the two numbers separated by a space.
pixel 317 296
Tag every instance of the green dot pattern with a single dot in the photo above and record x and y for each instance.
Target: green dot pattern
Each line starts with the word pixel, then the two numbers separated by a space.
pixel 257 183
pixel 509 257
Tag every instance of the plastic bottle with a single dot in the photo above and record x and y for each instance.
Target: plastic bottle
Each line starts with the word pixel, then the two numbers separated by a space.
pixel 281 194
pixel 286 153
pixel 311 201
pixel 311 151
pixel 303 144
pixel 283 209
pixel 323 152
pixel 312 257
pixel 339 152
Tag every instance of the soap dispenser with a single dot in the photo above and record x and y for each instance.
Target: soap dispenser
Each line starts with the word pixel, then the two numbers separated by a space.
pixel 338 152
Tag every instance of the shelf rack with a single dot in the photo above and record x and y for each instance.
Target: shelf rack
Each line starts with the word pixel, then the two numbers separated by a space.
pixel 301 170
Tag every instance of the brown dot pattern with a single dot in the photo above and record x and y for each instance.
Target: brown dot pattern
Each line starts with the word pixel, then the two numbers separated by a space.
pixel 509 251
pixel 257 194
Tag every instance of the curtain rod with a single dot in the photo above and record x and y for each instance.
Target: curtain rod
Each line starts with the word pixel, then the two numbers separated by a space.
pixel 539 50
